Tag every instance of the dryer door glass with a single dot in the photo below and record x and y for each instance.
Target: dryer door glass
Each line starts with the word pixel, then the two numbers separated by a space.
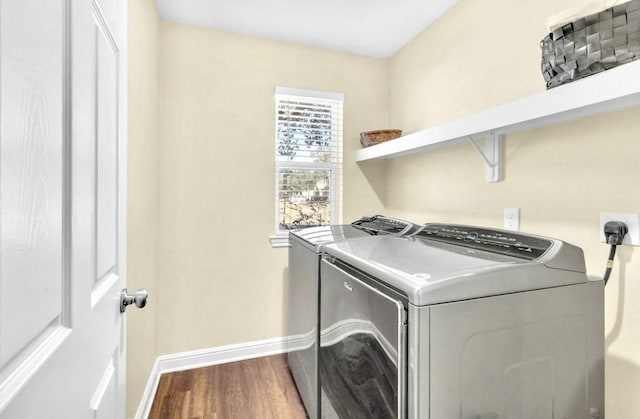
pixel 362 347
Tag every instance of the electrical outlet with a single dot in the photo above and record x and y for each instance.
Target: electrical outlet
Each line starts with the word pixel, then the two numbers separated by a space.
pixel 512 219
pixel 631 220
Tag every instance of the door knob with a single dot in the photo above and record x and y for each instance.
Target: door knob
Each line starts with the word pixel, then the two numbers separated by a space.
pixel 139 299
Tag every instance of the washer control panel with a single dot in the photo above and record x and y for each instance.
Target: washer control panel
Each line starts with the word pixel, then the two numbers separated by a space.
pixel 495 241
pixel 381 224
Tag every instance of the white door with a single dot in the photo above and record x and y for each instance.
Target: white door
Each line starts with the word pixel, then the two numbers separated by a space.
pixel 62 200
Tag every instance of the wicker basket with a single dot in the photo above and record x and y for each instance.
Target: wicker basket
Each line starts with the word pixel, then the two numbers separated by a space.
pixel 592 44
pixel 370 138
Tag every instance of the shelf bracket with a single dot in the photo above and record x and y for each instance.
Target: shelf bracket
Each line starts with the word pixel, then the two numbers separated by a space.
pixel 492 155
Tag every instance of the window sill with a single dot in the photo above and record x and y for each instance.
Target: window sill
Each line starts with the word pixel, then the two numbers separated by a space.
pixel 279 240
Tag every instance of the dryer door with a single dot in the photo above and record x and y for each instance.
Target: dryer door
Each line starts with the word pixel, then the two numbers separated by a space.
pixel 362 362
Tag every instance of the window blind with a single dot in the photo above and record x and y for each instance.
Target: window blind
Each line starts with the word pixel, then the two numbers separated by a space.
pixel 308 157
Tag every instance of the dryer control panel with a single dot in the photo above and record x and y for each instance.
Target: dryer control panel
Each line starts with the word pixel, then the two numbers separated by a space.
pixel 495 241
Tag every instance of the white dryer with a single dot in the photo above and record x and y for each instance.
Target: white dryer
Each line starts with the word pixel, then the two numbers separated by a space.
pixel 460 322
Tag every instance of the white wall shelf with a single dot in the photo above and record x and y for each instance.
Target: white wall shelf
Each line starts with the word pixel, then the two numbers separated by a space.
pixel 611 90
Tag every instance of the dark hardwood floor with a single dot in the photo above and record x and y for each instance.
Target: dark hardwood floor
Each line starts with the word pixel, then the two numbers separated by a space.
pixel 255 388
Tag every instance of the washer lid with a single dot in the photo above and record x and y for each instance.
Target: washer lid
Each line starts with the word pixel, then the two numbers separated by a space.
pixel 316 237
pixel 432 272
pixel 379 224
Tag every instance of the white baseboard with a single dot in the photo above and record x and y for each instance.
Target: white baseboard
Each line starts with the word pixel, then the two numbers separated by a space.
pixel 144 407
pixel 207 357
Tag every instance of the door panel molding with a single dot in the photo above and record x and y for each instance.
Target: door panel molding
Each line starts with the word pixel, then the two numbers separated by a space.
pixel 67 172
pixel 34 357
pixel 107 150
pixel 101 289
pixel 104 398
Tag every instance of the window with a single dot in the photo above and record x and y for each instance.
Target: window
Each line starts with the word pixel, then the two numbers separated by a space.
pixel 308 157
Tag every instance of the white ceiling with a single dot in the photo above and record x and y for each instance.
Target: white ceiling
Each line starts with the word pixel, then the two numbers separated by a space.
pixel 376 28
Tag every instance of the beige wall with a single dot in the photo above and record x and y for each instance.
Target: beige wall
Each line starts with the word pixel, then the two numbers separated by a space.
pixel 201 171
pixel 142 194
pixel 481 54
pixel 219 280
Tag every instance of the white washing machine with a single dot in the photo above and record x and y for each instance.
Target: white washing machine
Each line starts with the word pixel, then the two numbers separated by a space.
pixel 302 299
pixel 460 322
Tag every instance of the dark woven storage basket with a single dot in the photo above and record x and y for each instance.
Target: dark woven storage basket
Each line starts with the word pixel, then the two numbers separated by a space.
pixel 592 44
pixel 370 138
